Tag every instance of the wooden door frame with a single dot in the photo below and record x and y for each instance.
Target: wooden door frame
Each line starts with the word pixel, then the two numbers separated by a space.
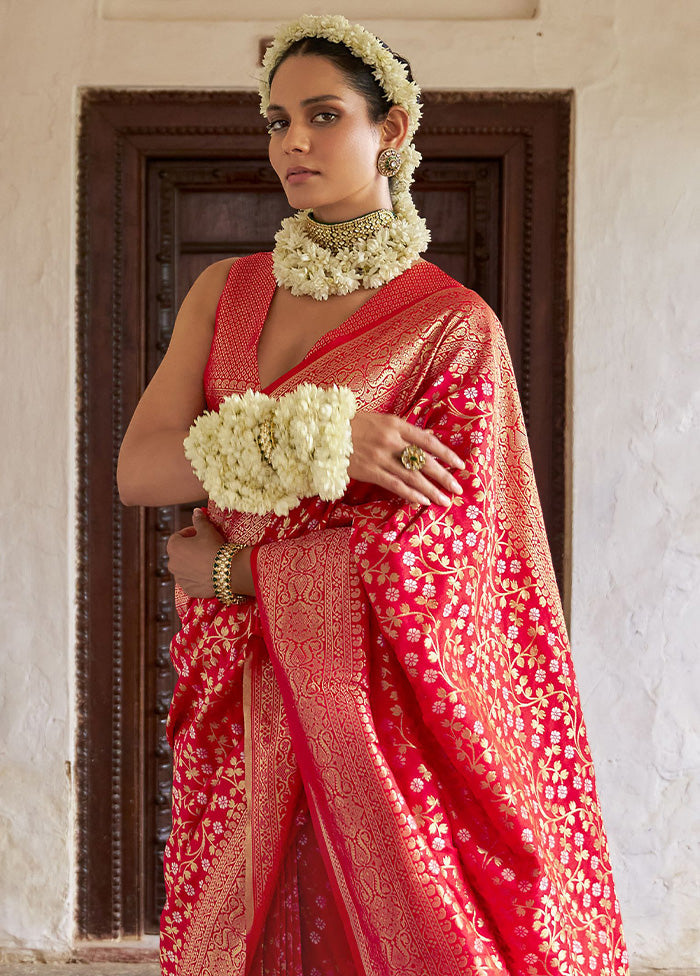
pixel 120 130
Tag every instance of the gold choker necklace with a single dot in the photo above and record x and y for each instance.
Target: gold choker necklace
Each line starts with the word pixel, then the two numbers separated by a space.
pixel 346 233
pixel 363 253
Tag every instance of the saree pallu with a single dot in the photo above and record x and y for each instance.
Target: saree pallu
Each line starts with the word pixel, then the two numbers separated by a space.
pixel 380 764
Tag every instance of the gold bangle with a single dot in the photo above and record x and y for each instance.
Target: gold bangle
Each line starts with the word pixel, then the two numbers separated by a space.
pixel 221 574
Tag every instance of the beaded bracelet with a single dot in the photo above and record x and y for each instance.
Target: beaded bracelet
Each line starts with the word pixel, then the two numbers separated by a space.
pixel 221 574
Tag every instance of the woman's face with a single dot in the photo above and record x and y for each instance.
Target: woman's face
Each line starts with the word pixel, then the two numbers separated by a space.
pixel 323 145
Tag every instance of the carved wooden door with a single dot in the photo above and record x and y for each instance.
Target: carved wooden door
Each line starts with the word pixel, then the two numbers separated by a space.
pixel 169 183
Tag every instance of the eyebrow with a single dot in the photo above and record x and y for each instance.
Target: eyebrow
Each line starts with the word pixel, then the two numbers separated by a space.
pixel 307 101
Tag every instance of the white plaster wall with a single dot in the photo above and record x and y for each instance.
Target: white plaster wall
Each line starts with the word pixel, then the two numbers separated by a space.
pixel 634 417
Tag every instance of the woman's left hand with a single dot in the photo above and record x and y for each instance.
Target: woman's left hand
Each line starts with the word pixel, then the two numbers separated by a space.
pixel 378 440
pixel 191 554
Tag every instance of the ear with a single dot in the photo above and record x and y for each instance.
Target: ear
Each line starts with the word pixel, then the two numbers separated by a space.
pixel 394 128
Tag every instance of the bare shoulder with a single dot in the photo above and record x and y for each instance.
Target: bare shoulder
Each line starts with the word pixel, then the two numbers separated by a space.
pixel 194 324
pixel 206 290
pixel 219 270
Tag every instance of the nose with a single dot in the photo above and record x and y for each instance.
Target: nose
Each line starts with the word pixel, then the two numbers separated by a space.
pixel 296 138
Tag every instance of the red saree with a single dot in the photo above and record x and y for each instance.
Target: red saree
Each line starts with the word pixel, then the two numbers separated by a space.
pixel 380 765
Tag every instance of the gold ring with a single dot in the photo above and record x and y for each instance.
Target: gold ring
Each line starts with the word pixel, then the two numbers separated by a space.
pixel 413 457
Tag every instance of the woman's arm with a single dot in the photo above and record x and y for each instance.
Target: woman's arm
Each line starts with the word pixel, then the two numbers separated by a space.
pixel 152 467
pixel 191 553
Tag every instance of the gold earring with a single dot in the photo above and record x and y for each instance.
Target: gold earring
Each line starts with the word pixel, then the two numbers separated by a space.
pixel 389 162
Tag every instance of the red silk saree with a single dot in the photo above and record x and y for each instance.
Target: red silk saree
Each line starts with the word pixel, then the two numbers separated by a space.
pixel 380 764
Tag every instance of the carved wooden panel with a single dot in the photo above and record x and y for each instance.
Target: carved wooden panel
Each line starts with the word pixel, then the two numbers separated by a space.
pixel 170 181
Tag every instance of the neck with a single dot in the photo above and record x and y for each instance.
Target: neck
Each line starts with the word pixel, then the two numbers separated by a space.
pixel 359 219
pixel 338 215
pixel 350 209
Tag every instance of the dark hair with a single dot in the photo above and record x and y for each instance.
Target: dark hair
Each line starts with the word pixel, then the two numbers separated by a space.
pixel 357 74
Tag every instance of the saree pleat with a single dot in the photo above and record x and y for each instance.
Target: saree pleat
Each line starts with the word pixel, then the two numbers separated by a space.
pixel 380 764
pixel 316 629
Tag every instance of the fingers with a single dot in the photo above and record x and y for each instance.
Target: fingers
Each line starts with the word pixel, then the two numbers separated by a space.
pixel 378 443
pixel 439 475
pixel 171 550
pixel 416 482
pixel 416 488
pixel 425 487
pixel 398 486
pixel 190 559
pixel 430 444
pixel 173 547
pixel 433 480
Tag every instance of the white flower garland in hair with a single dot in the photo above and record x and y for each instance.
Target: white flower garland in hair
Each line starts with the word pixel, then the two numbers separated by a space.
pixel 390 73
pixel 301 264
pixel 310 445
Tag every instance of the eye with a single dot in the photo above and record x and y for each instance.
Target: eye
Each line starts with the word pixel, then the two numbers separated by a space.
pixel 322 118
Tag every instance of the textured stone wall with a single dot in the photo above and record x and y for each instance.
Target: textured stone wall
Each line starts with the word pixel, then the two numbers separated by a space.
pixel 633 417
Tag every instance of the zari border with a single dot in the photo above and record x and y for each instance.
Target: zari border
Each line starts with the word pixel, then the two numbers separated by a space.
pixel 200 957
pixel 318 646
pixel 249 906
pixel 340 891
pixel 273 788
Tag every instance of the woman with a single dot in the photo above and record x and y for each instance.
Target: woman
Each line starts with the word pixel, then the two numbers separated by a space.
pixel 380 764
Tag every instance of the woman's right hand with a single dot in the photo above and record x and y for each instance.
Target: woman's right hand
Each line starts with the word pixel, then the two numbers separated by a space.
pixel 378 440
